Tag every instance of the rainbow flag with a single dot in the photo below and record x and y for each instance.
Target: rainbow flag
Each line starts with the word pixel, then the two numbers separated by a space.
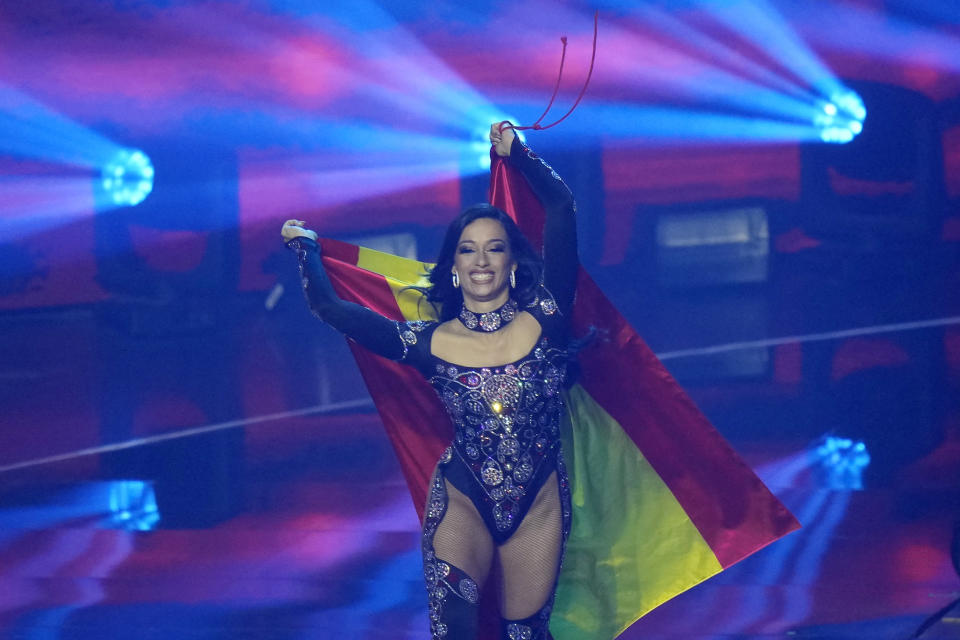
pixel 660 500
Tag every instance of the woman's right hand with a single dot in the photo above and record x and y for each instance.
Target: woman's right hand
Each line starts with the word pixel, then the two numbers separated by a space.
pixel 295 229
pixel 501 137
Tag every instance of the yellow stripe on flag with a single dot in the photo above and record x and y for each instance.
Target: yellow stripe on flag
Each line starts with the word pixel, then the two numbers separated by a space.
pixel 400 274
pixel 632 546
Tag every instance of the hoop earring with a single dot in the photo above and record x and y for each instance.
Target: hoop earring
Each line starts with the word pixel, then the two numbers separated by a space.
pixel 456 280
pixel 513 279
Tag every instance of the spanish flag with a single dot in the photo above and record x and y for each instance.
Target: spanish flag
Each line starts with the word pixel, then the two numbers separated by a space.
pixel 660 500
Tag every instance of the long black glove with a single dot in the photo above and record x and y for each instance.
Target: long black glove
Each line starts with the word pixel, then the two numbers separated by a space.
pixel 370 329
pixel 560 261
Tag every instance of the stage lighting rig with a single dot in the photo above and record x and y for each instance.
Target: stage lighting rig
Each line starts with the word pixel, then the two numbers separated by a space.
pixel 840 119
pixel 127 178
pixel 133 505
pixel 841 462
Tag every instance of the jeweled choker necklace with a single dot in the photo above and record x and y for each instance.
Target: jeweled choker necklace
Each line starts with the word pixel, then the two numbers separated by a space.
pixel 489 321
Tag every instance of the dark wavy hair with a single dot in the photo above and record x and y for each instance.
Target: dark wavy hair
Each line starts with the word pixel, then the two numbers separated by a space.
pixel 445 298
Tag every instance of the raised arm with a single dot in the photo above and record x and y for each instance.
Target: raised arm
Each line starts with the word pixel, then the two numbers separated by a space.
pixel 561 262
pixel 370 329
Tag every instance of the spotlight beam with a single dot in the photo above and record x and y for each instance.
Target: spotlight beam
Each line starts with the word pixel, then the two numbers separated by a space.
pixel 682 75
pixel 758 22
pixel 357 55
pixel 31 205
pixel 791 93
pixel 349 141
pixel 30 129
pixel 624 123
pixel 392 77
pixel 723 53
pixel 881 36
pixel 338 187
pixel 397 70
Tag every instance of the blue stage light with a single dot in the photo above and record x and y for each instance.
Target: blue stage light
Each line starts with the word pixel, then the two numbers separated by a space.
pixel 128 178
pixel 850 103
pixel 133 505
pixel 841 461
pixel 840 119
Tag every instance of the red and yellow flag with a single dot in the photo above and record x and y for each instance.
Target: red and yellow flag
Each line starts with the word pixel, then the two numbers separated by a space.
pixel 660 500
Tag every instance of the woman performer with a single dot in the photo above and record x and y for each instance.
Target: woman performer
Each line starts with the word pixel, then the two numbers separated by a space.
pixel 498 359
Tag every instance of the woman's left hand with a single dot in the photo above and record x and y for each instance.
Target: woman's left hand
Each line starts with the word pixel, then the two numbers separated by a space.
pixel 295 228
pixel 501 140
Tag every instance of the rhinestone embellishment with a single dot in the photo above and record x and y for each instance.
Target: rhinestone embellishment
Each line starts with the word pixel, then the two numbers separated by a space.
pixel 519 632
pixel 491 473
pixel 469 591
pixel 502 393
pixel 489 321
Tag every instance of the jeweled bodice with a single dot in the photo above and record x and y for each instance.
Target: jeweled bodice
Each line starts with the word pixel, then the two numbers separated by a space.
pixel 506 422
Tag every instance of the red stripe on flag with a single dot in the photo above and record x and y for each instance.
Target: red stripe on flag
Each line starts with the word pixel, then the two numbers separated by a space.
pixel 363 287
pixel 341 251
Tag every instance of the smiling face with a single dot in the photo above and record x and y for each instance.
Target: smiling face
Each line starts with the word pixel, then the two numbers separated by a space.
pixel 483 261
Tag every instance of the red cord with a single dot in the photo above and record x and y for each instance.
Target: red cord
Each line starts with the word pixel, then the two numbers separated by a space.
pixel 536 125
pixel 556 87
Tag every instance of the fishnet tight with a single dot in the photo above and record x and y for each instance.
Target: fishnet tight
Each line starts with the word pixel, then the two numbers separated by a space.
pixel 529 559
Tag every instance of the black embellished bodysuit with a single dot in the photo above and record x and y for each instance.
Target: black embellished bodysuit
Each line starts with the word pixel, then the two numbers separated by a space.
pixel 506 418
